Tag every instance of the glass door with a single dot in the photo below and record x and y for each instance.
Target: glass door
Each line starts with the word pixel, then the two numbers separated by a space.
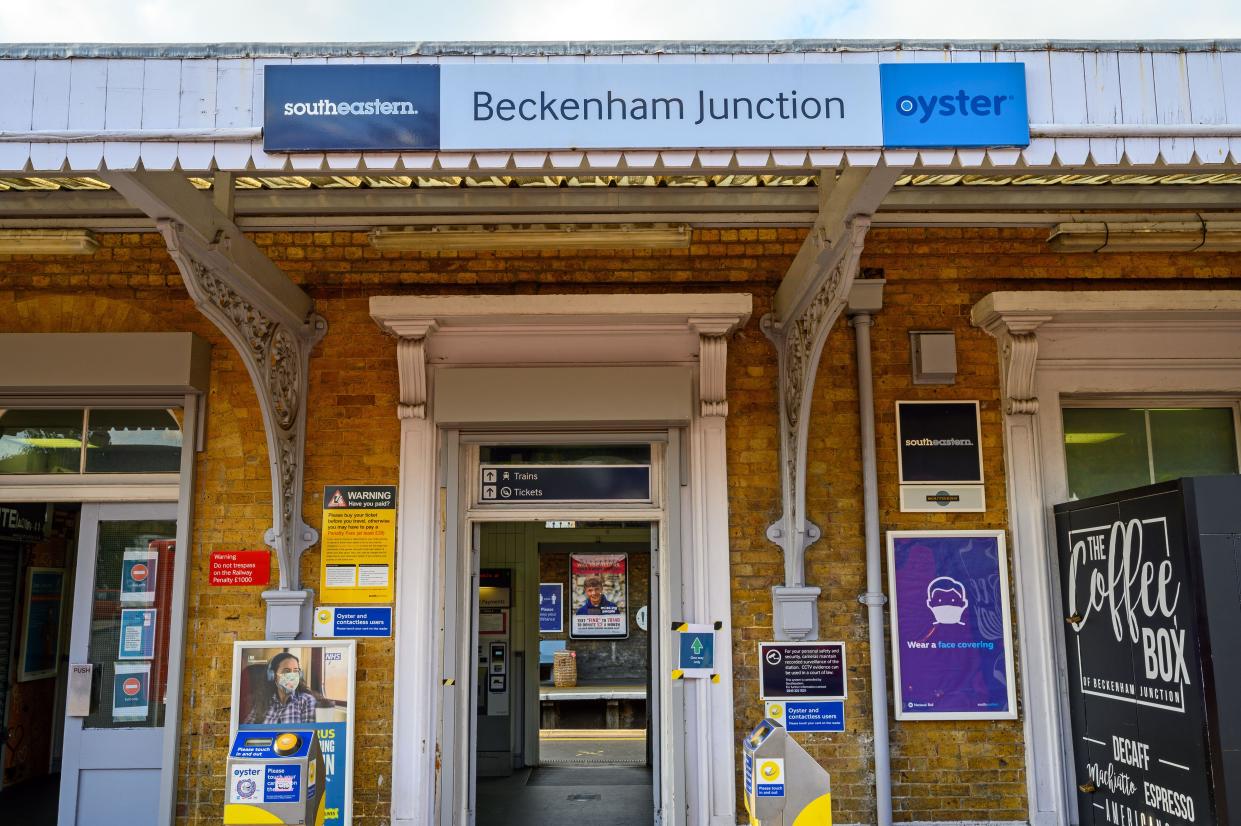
pixel 122 612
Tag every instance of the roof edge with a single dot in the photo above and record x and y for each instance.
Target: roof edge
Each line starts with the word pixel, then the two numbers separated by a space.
pixel 26 51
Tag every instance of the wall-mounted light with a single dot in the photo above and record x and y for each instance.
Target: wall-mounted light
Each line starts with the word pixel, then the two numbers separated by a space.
pixel 1141 236
pixel 47 242
pixel 531 236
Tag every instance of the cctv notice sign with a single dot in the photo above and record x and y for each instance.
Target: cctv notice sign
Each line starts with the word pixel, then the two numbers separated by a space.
pixel 358 542
pixel 479 106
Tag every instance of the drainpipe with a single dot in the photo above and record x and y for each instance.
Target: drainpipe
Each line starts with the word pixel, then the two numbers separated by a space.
pixel 866 299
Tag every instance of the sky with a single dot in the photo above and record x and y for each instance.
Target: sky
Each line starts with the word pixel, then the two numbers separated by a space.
pixel 216 21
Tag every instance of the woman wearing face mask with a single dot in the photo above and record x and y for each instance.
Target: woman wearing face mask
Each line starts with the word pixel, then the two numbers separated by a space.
pixel 285 697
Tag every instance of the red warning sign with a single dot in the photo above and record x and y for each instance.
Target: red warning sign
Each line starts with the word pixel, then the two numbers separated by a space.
pixel 131 686
pixel 240 568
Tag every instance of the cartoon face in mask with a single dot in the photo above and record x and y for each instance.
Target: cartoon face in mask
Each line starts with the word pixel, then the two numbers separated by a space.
pixel 946 599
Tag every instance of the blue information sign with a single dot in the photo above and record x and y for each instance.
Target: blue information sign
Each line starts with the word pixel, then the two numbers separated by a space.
pixel 551 608
pixel 378 107
pixel 698 649
pixel 807 715
pixel 354 621
pixel 137 636
pixel 954 104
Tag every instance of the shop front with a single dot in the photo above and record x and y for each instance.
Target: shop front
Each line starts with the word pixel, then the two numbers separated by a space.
pixel 515 422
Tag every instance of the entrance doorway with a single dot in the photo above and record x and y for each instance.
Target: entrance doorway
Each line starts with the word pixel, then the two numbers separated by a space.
pixel 565 723
pixel 38 544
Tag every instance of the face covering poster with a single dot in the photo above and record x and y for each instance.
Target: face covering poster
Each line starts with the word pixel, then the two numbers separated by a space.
pixel 952 654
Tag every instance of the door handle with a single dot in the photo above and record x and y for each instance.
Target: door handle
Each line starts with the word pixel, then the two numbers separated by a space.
pixel 1075 619
pixel 1087 788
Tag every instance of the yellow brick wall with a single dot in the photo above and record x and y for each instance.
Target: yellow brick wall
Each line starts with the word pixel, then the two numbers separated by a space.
pixel 942 771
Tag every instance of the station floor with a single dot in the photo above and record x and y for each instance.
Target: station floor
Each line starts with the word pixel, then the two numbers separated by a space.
pixel 567 796
pixel 33 803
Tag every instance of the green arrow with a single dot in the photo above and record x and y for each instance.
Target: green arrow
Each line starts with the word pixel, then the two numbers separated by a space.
pixel 696 646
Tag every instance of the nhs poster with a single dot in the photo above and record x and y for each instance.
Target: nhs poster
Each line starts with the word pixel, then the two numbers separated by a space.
pixel 951 637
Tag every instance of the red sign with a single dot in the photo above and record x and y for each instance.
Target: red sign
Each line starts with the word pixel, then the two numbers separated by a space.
pixel 240 567
pixel 131 686
pixel 138 573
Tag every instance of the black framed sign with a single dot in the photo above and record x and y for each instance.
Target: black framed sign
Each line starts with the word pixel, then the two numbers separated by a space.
pixel 939 456
pixel 1150 579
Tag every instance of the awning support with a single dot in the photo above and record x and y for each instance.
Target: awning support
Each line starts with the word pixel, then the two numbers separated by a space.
pixel 807 304
pixel 272 324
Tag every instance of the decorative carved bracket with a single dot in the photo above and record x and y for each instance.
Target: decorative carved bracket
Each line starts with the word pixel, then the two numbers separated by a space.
pixel 799 342
pixel 1018 359
pixel 276 351
pixel 712 364
pixel 411 365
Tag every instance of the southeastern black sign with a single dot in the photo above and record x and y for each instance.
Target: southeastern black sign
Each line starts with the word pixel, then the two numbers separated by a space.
pixel 1150 580
pixel 801 670
pixel 325 108
pixel 939 442
pixel 564 483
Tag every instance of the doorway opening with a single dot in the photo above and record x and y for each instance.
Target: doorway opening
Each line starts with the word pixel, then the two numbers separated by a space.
pixel 565 723
pixel 38 548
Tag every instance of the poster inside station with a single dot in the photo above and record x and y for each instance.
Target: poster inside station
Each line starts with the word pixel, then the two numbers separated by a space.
pixel 358 544
pixel 599 606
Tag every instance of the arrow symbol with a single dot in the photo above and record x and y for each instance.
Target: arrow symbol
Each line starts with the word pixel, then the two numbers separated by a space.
pixel 696 646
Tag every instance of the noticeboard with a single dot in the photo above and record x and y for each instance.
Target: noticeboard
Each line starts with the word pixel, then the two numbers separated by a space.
pixel 952 652
pixel 801 670
pixel 324 698
pixel 358 544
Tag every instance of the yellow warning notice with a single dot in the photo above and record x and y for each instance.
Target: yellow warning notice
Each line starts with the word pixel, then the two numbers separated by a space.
pixel 358 544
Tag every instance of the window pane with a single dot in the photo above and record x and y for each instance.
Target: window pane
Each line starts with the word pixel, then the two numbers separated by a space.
pixel 1105 450
pixel 40 441
pixel 565 454
pixel 130 613
pixel 1190 442
pixel 133 441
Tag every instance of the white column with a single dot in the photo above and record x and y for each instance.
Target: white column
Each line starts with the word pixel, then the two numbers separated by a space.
pixel 416 691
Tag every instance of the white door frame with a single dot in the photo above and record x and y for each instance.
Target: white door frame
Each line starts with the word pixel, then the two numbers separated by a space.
pixel 553 336
pixel 1056 345
pixel 665 557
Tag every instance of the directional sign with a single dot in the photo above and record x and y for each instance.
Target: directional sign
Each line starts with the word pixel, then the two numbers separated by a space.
pixel 564 483
pixel 551 608
pixel 807 715
pixel 696 647
pixel 801 670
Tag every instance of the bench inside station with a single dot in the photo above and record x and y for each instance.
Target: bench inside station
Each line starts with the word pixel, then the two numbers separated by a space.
pixel 609 704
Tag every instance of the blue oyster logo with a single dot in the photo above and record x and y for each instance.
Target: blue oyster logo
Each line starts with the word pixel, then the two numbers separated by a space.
pixel 954 104
pixel 962 104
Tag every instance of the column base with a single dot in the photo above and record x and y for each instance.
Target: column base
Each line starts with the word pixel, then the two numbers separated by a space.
pixel 289 614
pixel 795 612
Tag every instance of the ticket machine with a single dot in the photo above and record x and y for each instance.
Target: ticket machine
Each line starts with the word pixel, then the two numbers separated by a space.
pixel 275 777
pixel 784 786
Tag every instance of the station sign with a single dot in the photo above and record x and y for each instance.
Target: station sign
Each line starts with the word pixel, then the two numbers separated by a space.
pixel 551 608
pixel 939 456
pixel 696 650
pixel 807 715
pixel 801 670
pixel 479 106
pixel 353 621
pixel 564 483
pixel 358 543
pixel 239 568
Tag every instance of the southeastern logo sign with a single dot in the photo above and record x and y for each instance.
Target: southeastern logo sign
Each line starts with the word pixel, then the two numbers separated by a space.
pixel 954 104
pixel 597 106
